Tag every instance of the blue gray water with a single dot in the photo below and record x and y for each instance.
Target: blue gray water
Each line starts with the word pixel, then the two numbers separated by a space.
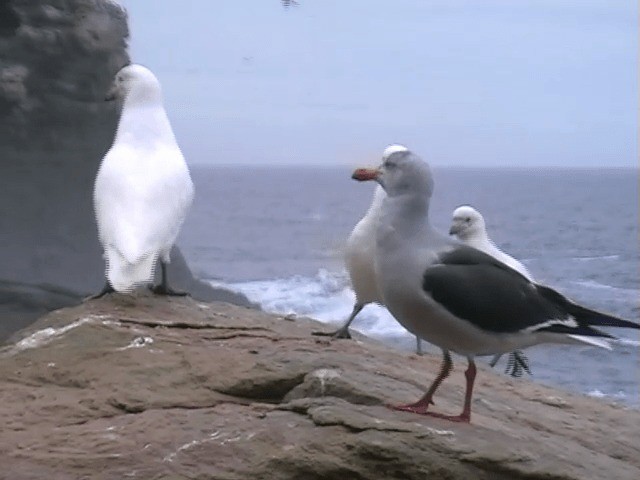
pixel 275 233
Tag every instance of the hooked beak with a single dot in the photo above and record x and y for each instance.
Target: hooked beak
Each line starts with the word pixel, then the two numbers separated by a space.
pixel 365 174
pixel 455 229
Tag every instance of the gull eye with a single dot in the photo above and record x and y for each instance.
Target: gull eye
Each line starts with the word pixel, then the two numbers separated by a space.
pixel 468 219
pixel 389 165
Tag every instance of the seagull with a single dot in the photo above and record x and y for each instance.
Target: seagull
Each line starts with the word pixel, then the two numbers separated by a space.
pixel 469 227
pixel 359 256
pixel 143 189
pixel 455 296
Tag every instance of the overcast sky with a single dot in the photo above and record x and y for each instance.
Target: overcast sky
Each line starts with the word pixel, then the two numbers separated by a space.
pixel 461 82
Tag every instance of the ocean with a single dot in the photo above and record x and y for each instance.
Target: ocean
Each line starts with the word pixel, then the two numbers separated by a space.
pixel 276 234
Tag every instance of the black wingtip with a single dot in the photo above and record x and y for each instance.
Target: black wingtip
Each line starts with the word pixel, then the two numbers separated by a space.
pixel 586 315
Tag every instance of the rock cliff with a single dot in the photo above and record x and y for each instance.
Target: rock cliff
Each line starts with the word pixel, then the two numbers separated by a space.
pixel 57 58
pixel 147 387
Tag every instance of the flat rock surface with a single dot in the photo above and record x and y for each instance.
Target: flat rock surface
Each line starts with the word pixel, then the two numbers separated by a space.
pixel 148 387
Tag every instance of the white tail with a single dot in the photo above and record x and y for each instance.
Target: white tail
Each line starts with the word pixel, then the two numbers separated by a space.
pixel 595 341
pixel 124 276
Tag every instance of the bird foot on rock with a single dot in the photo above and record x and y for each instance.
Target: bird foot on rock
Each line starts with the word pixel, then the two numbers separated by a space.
pixel 167 291
pixel 419 407
pixel 462 418
pixel 517 364
pixel 94 297
pixel 105 290
pixel 340 333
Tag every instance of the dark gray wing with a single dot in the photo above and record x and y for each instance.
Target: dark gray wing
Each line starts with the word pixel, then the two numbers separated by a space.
pixel 487 293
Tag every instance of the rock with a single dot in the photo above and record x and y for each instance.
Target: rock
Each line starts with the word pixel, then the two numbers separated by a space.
pixel 57 59
pixel 150 387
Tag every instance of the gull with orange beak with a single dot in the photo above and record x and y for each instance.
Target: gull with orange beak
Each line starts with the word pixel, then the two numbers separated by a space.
pixel 455 296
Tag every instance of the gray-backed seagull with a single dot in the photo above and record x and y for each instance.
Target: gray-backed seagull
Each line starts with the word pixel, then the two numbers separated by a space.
pixel 455 296
pixel 469 227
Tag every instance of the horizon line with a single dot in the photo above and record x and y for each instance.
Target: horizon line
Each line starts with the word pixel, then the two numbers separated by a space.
pixel 434 165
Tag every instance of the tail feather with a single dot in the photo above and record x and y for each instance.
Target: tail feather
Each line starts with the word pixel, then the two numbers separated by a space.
pixel 125 276
pixel 582 331
pixel 599 319
pixel 584 315
pixel 595 341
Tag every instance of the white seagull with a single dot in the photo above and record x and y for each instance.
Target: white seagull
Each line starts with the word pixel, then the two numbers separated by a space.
pixel 469 227
pixel 359 257
pixel 455 296
pixel 143 189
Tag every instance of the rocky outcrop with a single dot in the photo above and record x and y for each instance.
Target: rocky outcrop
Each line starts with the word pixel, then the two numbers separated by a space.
pixel 57 58
pixel 147 387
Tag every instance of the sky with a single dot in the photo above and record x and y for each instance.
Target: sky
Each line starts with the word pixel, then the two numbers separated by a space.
pixel 333 82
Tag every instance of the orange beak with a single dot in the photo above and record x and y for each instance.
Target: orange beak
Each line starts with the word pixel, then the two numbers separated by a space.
pixel 365 174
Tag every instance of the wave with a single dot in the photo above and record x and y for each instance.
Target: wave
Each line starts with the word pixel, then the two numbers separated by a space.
pixel 326 296
pixel 619 395
pixel 627 341
pixel 596 257
pixel 592 284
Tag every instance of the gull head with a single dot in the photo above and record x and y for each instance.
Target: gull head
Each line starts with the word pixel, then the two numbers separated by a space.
pixel 393 148
pixel 466 223
pixel 401 172
pixel 135 82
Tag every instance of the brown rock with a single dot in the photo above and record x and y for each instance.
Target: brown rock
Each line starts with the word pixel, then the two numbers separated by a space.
pixel 146 387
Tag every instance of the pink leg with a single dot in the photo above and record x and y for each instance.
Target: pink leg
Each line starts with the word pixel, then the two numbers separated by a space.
pixel 470 375
pixel 465 416
pixel 422 405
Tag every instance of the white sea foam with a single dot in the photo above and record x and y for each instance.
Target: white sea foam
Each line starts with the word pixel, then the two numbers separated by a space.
pixel 627 341
pixel 597 257
pixel 326 297
pixel 591 284
pixel 587 288
pixel 619 395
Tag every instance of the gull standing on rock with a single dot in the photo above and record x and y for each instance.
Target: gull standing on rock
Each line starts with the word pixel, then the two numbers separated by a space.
pixel 143 189
pixel 469 227
pixel 455 296
pixel 359 256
